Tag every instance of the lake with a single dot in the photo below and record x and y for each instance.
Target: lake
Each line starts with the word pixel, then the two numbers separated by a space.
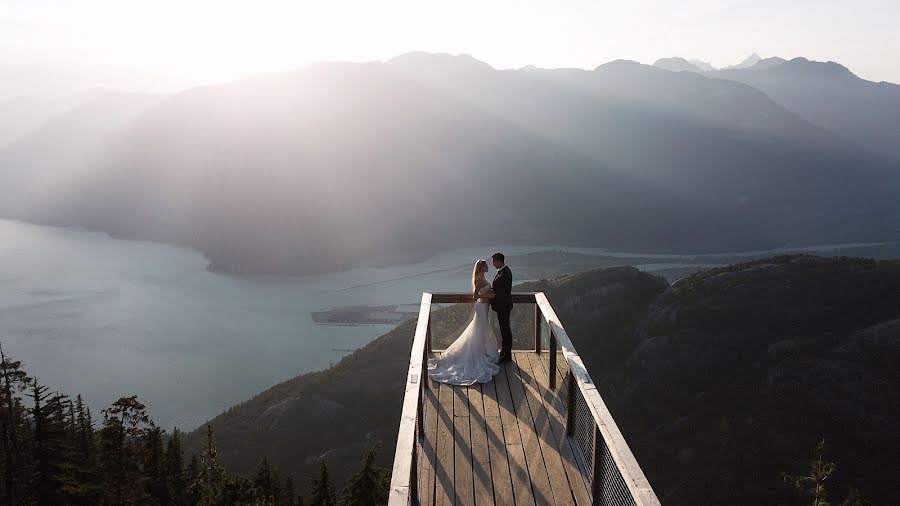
pixel 107 317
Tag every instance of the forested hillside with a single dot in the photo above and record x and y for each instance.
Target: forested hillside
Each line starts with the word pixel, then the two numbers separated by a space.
pixel 54 452
pixel 720 383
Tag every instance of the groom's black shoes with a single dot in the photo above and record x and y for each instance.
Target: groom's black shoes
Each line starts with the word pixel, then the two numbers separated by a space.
pixel 505 357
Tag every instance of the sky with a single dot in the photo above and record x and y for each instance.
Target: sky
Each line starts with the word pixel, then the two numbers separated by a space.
pixel 53 46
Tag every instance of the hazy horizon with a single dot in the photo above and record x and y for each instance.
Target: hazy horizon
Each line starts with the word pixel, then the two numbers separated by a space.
pixel 48 48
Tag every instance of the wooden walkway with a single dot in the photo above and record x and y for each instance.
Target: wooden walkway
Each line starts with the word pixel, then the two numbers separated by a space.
pixel 501 442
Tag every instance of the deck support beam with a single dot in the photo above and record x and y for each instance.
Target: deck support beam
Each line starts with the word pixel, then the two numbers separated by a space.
pixel 553 346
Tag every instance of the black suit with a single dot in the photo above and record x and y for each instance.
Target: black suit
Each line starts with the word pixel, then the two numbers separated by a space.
pixel 502 304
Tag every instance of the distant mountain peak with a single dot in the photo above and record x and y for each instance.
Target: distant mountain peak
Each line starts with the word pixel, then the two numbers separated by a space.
pixel 677 64
pixel 767 63
pixel 748 62
pixel 823 68
pixel 702 65
pixel 620 64
pixel 422 58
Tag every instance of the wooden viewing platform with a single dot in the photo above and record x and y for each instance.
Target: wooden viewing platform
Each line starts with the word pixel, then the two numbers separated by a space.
pixel 539 433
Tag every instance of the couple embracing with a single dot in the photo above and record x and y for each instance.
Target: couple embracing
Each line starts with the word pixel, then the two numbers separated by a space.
pixel 473 357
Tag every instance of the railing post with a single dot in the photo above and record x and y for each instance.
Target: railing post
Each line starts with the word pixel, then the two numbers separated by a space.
pixel 570 403
pixel 425 382
pixel 420 419
pixel 425 352
pixel 552 360
pixel 597 468
pixel 428 348
pixel 537 329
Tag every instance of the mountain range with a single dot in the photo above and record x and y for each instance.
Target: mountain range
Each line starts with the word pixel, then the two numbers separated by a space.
pixel 825 94
pixel 315 169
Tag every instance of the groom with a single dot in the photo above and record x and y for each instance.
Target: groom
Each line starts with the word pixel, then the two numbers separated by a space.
pixel 502 304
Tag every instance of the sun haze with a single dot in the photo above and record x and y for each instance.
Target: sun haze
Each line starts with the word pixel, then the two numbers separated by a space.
pixel 54 46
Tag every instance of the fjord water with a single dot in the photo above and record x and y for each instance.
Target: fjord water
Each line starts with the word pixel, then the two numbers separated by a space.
pixel 107 317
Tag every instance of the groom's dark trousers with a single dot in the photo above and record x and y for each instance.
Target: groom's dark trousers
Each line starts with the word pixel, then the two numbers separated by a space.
pixel 505 331
pixel 502 304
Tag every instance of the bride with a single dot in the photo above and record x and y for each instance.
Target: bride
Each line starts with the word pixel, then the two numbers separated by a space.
pixel 473 357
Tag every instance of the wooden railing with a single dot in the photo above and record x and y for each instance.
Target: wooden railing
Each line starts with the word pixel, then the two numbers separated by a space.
pixel 604 456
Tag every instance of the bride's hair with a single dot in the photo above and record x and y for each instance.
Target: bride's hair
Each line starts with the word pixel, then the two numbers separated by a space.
pixel 480 267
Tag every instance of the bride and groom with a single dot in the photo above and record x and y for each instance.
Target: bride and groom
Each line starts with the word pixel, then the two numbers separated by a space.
pixel 473 357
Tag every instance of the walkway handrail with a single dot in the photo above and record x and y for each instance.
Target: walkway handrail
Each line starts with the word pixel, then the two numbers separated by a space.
pixel 607 430
pixel 403 475
pixel 614 474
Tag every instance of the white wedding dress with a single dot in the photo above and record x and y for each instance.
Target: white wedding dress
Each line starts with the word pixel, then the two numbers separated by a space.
pixel 473 357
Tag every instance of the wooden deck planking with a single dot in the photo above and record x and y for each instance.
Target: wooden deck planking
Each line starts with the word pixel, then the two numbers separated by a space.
pixel 502 483
pixel 489 391
pixel 460 402
pixel 462 443
pixel 429 451
pixel 559 482
pixel 568 451
pixel 443 469
pixel 502 442
pixel 556 409
pixel 518 467
pixel 537 470
pixel 481 462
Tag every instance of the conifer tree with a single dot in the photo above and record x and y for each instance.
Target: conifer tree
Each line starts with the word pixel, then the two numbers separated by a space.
pixel 192 481
pixel 84 457
pixel 71 424
pixel 322 493
pixel 125 423
pixel 14 428
pixel 813 483
pixel 175 472
pixel 267 482
pixel 215 487
pixel 211 480
pixel 154 468
pixel 366 487
pixel 84 428
pixel 52 481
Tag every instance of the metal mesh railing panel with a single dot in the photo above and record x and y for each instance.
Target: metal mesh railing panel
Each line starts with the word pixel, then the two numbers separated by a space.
pixel 610 487
pixel 583 429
